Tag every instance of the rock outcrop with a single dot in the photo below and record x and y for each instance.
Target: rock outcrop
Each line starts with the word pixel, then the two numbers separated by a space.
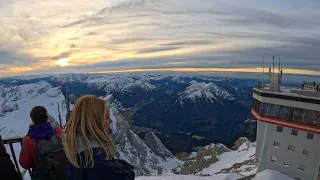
pixel 204 158
pixel 156 146
pixel 148 160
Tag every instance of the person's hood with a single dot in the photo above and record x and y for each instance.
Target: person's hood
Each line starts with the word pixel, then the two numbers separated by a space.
pixel 41 131
pixel 81 144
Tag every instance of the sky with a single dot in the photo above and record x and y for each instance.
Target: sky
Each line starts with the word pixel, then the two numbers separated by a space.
pixel 53 36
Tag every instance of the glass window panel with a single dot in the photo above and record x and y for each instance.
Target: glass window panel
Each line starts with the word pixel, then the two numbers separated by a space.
pixel 286 163
pixel 290 114
pixel 263 108
pixel 301 167
pixel 305 152
pixel 279 129
pixel 294 132
pixel 317 119
pixel 308 117
pixel 309 135
pixel 267 110
pixel 285 112
pixel 274 110
pixel 276 144
pixel 280 113
pixel 258 106
pixel 291 148
pixel 273 158
pixel 297 115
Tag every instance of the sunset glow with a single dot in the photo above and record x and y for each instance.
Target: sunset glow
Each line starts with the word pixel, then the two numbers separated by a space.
pixel 63 62
pixel 137 36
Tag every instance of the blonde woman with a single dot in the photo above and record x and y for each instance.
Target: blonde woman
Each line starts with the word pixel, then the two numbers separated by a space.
pixel 87 145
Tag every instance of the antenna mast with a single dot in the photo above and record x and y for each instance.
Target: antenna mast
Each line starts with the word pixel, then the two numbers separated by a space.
pixel 273 64
pixel 263 72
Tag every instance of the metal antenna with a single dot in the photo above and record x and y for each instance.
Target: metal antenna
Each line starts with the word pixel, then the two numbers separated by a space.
pixel 263 72
pixel 279 65
pixel 273 64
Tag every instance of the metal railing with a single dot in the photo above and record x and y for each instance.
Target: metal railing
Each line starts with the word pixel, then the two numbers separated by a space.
pixel 10 141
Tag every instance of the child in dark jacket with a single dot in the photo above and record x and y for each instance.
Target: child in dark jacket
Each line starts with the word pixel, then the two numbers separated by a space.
pixel 88 147
pixel 40 129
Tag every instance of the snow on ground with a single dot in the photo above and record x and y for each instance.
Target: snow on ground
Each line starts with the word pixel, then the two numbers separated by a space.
pixel 271 175
pixel 192 155
pixel 226 160
pixel 182 177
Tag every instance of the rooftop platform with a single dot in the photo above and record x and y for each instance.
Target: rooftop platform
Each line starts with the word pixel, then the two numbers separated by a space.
pixel 307 95
pixel 307 92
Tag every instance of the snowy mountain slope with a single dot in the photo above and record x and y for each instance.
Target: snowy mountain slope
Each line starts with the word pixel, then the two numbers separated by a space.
pixel 241 161
pixel 17 101
pixel 264 175
pixel 134 150
pixel 109 82
pixel 271 175
pixel 208 91
pixel 183 177
pixel 217 159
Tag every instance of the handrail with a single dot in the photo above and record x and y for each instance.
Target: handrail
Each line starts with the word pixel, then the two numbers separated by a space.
pixel 11 141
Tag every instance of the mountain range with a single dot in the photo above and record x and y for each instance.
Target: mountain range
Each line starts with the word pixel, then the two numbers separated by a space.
pixel 148 154
pixel 183 111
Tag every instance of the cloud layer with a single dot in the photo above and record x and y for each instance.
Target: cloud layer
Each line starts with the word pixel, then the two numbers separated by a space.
pixel 115 35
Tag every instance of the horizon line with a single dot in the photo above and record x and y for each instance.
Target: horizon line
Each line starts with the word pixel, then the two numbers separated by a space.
pixel 208 70
pixel 237 70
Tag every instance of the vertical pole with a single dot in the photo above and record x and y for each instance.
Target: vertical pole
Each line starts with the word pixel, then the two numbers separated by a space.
pixel 15 159
pixel 273 64
pixel 263 73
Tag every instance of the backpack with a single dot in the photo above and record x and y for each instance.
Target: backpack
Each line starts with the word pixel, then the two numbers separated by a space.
pixel 52 159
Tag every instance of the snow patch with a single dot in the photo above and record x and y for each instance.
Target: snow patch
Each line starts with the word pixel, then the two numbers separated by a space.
pixel 271 175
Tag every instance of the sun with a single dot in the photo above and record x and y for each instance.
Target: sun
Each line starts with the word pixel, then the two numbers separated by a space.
pixel 63 62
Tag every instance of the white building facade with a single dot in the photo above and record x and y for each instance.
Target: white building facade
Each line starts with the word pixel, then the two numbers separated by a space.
pixel 288 132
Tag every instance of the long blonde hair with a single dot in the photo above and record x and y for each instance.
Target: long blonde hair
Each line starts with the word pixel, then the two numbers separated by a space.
pixel 87 122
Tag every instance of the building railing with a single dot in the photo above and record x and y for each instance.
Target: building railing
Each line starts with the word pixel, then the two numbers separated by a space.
pixel 10 141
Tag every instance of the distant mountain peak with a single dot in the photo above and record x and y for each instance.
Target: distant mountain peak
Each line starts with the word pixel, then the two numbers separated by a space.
pixel 208 91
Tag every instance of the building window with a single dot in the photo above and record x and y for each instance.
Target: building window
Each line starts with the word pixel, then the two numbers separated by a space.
pixel 281 112
pixel 274 110
pixel 287 163
pixel 291 148
pixel 306 152
pixel 289 115
pixel 266 109
pixel 309 135
pixel 273 158
pixel 294 132
pixel 276 144
pixel 297 115
pixel 279 128
pixel 301 167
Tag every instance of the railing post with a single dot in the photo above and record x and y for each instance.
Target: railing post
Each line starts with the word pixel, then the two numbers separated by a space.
pixel 15 160
pixel 10 141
